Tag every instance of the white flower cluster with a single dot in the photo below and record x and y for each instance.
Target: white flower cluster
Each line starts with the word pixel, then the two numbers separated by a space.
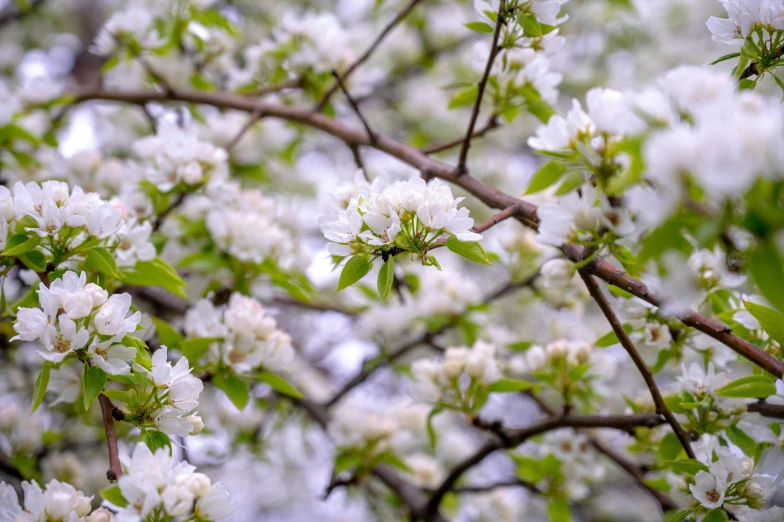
pixel 47 208
pixel 525 62
pixel 133 27
pixel 152 486
pixel 537 358
pixel 408 214
pixel 312 41
pixel 176 396
pixel 702 385
pixel 727 482
pixel 248 335
pixel 75 314
pixel 744 16
pixel 247 225
pixel 434 379
pixel 395 429
pixel 57 502
pixel 175 155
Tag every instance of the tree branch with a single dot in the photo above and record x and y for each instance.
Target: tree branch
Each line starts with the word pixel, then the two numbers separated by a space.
pixel 108 413
pixel 494 49
pixel 514 438
pixel 491 124
pixel 642 367
pixel 371 135
pixel 767 410
pixel 430 167
pixel 370 50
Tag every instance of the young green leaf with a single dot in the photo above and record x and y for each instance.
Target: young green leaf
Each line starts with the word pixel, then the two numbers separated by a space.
pixel 510 385
pixel 21 243
pixel 771 320
pixel 767 270
pixel 386 276
pixel 279 384
pixel 751 387
pixel 725 57
pixel 688 466
pixel 194 349
pixel 155 273
pixel 558 510
pixel 100 260
pixel 670 447
pixel 113 495
pixel 739 437
pixel 479 27
pixel 550 173
pixel 39 389
pixel 235 388
pixel 156 440
pixel 469 249
pixel 93 381
pixel 34 260
pixel 356 268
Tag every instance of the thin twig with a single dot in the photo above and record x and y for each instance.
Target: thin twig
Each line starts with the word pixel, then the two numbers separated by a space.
pixel 252 120
pixel 108 413
pixel 380 38
pixel 358 160
pixel 353 103
pixel 441 147
pixel 168 210
pixel 494 49
pixel 642 367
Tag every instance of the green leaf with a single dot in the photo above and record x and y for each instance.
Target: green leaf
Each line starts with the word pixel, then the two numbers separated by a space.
pixel 715 515
pixel 235 388
pixel 687 466
pixel 510 385
pixel 670 447
pixel 167 335
pixel 93 381
pixel 680 516
pixel 479 27
pixel 771 320
pixel 386 276
pixel 767 270
pixel 751 387
pixel 779 83
pixel 39 389
pixel 531 26
pixel 113 495
pixel 156 440
pixel 536 105
pixel 125 396
pixel 469 249
pixel 194 349
pixel 100 260
pixel 20 243
pixel 431 432
pixel 558 510
pixel 570 182
pixel 279 384
pixel 346 461
pixel 724 58
pixel 738 437
pixel 546 176
pixel 611 338
pixel 464 97
pixel 34 260
pixel 356 268
pixel 155 273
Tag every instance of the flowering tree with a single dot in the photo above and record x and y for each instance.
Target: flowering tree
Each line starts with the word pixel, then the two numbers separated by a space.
pixel 391 260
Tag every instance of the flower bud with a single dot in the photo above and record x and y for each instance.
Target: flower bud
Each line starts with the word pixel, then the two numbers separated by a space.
pixel 455 361
pixel 100 515
pixel 191 173
pixel 755 494
pixel 197 422
pixel 557 350
pixel 78 305
pixel 747 465
pixel 97 294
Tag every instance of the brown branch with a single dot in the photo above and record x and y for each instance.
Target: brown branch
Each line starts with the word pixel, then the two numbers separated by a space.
pixel 108 413
pixel 514 438
pixel 510 211
pixel 461 165
pixel 168 210
pixel 440 147
pixel 370 50
pixel 505 484
pixel 430 167
pixel 642 367
pixel 371 135
pixel 766 409
pixel 252 120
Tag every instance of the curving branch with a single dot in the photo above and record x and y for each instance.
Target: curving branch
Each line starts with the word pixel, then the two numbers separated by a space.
pixel 647 375
pixel 513 438
pixel 108 414
pixel 767 409
pixel 430 167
